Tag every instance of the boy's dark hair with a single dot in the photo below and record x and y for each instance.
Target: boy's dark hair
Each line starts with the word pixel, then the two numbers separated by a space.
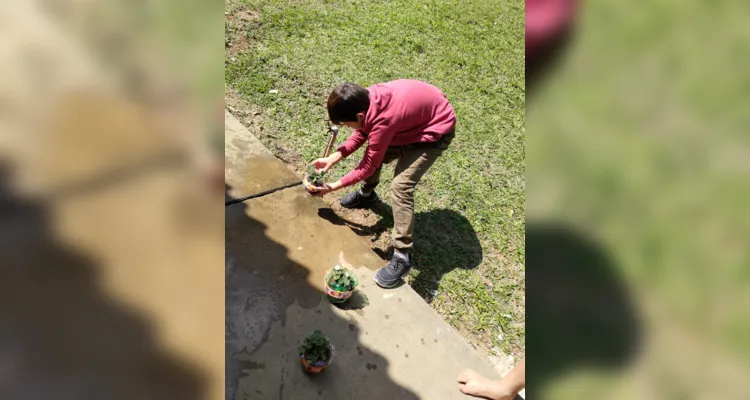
pixel 346 101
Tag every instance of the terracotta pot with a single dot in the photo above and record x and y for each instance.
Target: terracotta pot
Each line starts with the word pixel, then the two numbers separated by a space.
pixel 318 367
pixel 307 184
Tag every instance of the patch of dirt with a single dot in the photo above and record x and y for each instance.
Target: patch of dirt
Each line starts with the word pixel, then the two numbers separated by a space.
pixel 239 30
pixel 244 16
pixel 367 223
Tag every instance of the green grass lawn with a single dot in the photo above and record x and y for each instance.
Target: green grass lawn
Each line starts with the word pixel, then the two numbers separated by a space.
pixel 639 140
pixel 474 51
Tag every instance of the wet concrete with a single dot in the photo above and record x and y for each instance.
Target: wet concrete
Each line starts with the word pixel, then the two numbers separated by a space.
pixel 249 167
pixel 113 293
pixel 278 251
pixel 117 284
pixel 389 344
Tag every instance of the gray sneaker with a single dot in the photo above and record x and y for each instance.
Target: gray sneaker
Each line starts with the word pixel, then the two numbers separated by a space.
pixel 356 199
pixel 390 275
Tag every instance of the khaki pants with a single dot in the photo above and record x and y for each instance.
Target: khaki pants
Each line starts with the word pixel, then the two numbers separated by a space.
pixel 413 161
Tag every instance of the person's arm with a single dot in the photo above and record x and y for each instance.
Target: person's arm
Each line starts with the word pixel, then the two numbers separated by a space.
pixel 326 163
pixel 516 379
pixel 380 138
pixel 326 188
pixel 350 145
pixel 474 384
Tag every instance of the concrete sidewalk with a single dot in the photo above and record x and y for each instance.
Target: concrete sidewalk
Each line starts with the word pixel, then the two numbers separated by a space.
pixel 109 287
pixel 389 344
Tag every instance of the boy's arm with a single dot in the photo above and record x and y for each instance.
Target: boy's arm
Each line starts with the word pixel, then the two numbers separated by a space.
pixel 380 138
pixel 349 146
pixel 352 144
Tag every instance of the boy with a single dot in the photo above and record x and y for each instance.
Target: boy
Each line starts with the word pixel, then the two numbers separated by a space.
pixel 405 120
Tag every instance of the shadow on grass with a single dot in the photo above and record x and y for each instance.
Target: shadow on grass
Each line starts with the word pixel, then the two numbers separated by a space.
pixel 579 312
pixel 444 240
pixel 543 62
pixel 270 308
pixel 62 334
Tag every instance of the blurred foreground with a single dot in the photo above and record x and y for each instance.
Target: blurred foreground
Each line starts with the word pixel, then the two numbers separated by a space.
pixel 110 213
pixel 638 165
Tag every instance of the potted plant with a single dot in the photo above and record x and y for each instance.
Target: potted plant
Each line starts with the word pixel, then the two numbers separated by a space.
pixel 340 284
pixel 313 179
pixel 316 352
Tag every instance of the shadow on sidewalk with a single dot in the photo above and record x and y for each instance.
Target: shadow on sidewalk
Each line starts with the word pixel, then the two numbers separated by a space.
pixel 263 288
pixel 444 240
pixel 62 336
pixel 579 312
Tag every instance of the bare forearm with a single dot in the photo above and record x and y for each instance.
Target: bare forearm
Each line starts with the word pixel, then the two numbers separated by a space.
pixel 336 157
pixel 516 378
pixel 335 185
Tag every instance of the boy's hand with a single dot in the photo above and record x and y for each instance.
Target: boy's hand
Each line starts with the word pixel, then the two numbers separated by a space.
pixel 326 163
pixel 323 164
pixel 319 191
pixel 326 188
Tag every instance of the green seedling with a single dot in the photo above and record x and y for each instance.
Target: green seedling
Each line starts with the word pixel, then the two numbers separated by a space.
pixel 342 279
pixel 316 347
pixel 316 178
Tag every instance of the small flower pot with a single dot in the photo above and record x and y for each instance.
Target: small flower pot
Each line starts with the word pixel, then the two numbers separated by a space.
pixel 313 179
pixel 337 294
pixel 317 367
pixel 307 184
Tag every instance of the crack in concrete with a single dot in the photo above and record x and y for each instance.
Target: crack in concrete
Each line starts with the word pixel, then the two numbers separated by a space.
pixel 261 194
pixel 281 389
pixel 118 175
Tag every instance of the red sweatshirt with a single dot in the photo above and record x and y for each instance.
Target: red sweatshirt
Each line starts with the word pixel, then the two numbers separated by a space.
pixel 401 112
